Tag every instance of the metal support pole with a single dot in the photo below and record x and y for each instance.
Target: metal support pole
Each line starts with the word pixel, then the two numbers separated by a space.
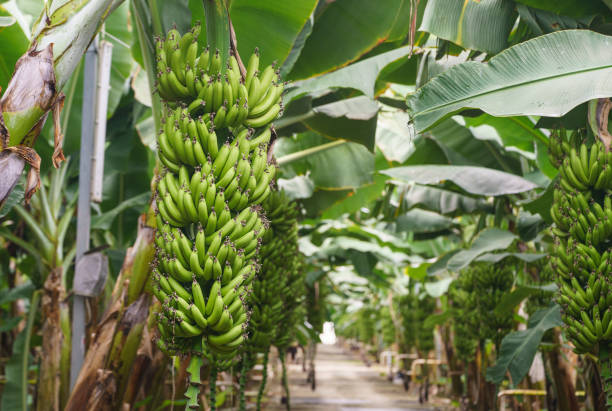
pixel 84 207
pixel 105 56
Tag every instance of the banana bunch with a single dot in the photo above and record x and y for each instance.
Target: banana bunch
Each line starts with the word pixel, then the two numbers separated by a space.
pixel 414 310
pixel 582 251
pixel 210 223
pixel 479 289
pixel 582 168
pixel 275 284
pixel 465 340
pixel 366 325
pixel 490 282
pixel 387 327
pixel 281 253
pixel 199 80
pixel 278 288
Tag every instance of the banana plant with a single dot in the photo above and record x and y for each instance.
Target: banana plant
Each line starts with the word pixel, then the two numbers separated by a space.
pixel 48 241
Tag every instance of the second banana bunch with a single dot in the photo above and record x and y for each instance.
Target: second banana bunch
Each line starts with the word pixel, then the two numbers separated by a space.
pixel 582 213
pixel 210 223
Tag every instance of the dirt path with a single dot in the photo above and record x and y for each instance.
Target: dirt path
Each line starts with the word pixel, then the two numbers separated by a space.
pixel 344 384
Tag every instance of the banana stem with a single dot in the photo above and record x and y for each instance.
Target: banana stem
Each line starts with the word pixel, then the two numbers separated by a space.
pixel 605 360
pixel 243 371
pixel 283 355
pixel 213 387
pixel 193 391
pixel 264 378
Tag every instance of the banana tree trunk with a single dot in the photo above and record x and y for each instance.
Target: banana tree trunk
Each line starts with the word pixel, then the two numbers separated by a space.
pixel 113 350
pixel 558 370
pixel 50 381
pixel 61 34
pixel 454 368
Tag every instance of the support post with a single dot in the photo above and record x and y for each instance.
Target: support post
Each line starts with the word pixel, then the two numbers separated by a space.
pixel 84 207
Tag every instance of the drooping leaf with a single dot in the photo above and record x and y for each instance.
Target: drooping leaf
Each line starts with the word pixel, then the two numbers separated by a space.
pixel 574 119
pixel 479 25
pixel 421 221
pixel 360 76
pixel 297 187
pixel 510 300
pixel 297 47
pixel 167 14
pixel 393 138
pixel 352 119
pixel 216 16
pixel 362 196
pixel 364 266
pixel 346 30
pixel 321 200
pixel 439 267
pixel 497 257
pixel 550 75
pixel 271 25
pixel 541 204
pixel 487 240
pixel 519 347
pixel 462 147
pixel 313 276
pixel 438 288
pixel 529 225
pixel 339 246
pixel 517 134
pixel 345 166
pixel 444 201
pixel 426 150
pixel 474 180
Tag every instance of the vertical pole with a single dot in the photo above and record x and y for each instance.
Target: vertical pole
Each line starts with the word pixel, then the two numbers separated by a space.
pixel 84 208
pixel 105 56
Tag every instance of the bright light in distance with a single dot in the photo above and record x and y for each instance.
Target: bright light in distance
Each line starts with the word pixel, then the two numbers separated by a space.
pixel 329 335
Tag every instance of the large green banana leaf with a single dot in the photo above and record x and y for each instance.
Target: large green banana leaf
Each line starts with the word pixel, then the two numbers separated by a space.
pixel 479 25
pixel 474 180
pixel 546 76
pixel 519 348
pixel 346 30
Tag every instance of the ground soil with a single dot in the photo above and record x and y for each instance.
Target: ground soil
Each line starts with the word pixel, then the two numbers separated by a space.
pixel 344 383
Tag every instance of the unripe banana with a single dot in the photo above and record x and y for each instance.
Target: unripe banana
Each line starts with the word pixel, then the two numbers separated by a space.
pixel 209 234
pixel 583 234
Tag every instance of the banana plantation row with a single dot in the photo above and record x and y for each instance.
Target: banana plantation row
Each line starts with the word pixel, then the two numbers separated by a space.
pixel 434 177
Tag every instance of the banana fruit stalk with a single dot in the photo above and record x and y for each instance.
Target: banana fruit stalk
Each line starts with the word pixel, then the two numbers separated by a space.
pixel 582 213
pixel 210 224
